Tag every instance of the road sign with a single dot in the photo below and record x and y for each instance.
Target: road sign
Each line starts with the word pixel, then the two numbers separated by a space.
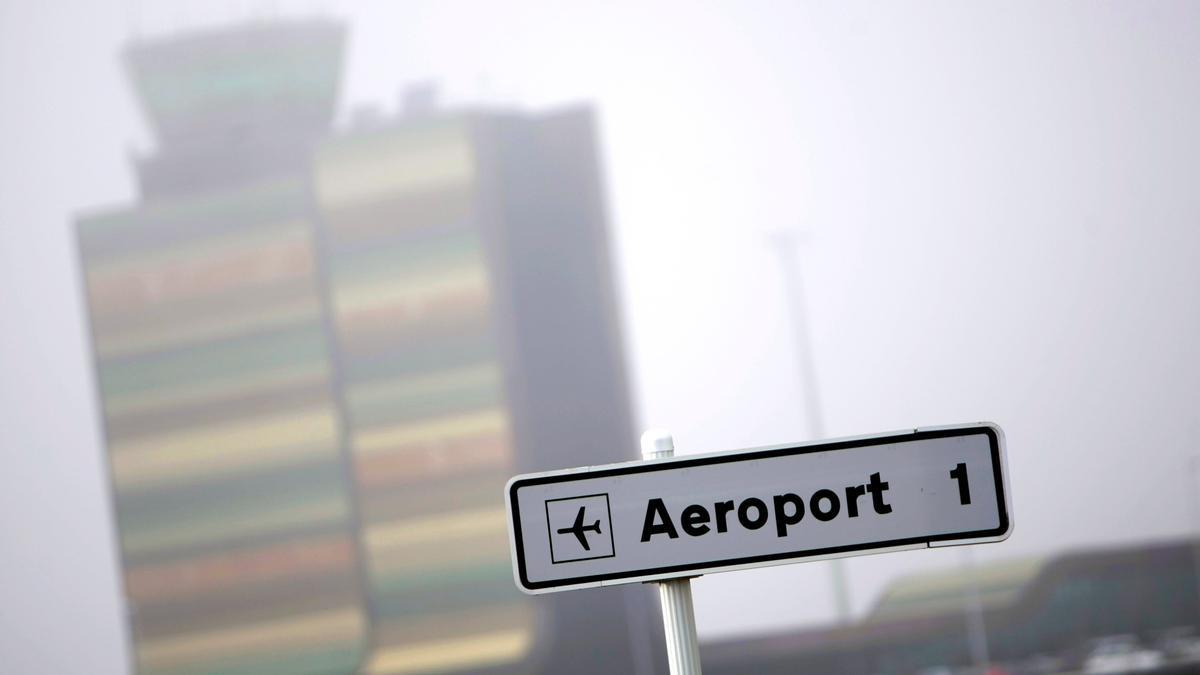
pixel 692 515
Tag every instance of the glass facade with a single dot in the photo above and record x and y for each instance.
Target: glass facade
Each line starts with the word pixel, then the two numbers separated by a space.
pixel 229 485
pixel 422 377
pixel 321 354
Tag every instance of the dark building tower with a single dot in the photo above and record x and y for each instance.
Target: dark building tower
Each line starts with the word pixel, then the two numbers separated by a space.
pixel 320 355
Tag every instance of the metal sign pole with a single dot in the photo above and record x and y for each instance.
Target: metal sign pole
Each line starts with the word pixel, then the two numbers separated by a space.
pixel 679 617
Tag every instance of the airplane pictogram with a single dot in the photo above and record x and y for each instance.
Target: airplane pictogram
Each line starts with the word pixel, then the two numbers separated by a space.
pixel 579 528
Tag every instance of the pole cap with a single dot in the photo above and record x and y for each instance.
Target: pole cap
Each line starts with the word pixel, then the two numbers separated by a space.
pixel 657 443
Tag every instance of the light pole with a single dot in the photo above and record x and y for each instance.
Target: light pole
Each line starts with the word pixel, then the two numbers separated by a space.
pixel 784 242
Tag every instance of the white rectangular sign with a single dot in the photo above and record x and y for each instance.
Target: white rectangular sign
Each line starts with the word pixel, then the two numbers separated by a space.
pixel 692 515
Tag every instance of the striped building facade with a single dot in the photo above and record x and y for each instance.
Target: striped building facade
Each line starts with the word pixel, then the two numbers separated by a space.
pixel 319 357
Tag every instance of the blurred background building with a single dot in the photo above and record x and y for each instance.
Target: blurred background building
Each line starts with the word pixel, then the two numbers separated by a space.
pixel 1093 611
pixel 321 354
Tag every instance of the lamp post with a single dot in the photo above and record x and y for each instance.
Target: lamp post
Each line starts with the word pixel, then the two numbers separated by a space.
pixel 784 243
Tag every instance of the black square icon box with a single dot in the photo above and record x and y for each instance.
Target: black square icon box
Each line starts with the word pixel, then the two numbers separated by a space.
pixel 580 528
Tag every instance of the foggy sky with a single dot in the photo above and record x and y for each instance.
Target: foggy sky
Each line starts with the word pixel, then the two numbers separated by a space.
pixel 1000 213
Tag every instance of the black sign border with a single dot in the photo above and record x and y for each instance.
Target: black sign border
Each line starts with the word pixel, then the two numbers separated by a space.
pixel 738 456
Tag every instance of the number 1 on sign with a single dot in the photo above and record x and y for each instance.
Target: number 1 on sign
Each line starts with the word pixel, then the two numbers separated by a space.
pixel 959 473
